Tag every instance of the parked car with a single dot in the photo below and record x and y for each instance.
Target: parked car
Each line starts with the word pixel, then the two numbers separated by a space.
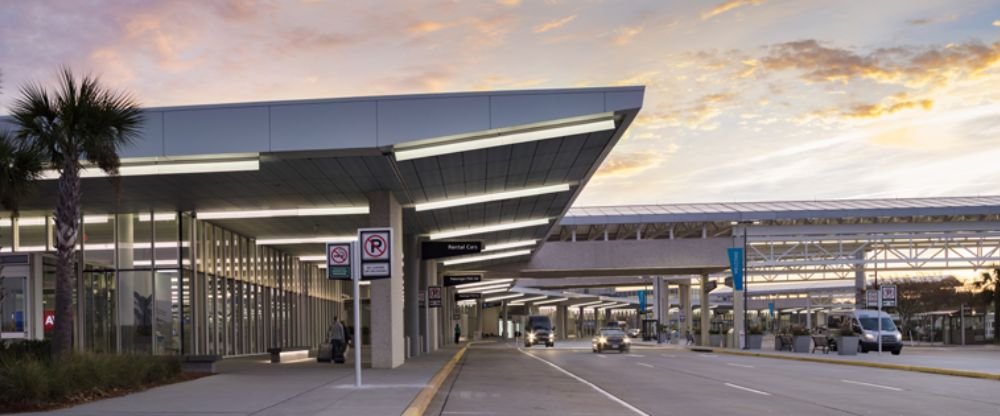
pixel 539 331
pixel 635 332
pixel 611 339
pixel 865 323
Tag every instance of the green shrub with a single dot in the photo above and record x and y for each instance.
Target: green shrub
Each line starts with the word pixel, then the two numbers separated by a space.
pixel 32 382
pixel 23 381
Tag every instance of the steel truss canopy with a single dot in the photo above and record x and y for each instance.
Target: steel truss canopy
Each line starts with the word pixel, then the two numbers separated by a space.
pixel 501 167
pixel 812 240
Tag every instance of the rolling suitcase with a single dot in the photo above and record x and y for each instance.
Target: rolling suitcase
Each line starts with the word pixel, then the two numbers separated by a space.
pixel 325 353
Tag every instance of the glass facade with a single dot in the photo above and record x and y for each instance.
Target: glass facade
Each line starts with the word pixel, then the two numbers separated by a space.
pixel 168 283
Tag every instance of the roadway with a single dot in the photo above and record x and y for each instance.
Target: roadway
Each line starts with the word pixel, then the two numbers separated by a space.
pixel 501 379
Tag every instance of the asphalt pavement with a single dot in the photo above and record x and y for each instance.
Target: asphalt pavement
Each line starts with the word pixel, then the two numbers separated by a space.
pixel 502 379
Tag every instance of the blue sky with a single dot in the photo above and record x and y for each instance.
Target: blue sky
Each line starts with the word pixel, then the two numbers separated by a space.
pixel 746 99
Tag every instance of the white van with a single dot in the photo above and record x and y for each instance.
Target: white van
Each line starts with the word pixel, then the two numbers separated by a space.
pixel 865 323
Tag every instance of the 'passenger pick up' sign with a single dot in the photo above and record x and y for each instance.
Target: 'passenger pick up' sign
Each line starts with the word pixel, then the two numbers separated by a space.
pixel 456 280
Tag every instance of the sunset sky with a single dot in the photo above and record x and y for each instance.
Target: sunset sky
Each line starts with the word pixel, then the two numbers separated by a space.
pixel 746 100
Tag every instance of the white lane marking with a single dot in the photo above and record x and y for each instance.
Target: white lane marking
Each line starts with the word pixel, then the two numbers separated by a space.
pixel 668 355
pixel 706 355
pixel 762 393
pixel 602 356
pixel 592 385
pixel 381 386
pixel 635 355
pixel 644 365
pixel 740 365
pixel 861 383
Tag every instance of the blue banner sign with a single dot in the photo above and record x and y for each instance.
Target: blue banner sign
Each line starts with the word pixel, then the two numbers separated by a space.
pixel 736 264
pixel 642 301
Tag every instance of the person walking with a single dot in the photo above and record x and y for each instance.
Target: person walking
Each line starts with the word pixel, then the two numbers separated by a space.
pixel 338 339
pixel 458 332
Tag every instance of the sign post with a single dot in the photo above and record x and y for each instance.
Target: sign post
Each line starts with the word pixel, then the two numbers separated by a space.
pixel 356 277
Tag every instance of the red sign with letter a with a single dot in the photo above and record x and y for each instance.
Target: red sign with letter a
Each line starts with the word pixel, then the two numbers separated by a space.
pixel 50 320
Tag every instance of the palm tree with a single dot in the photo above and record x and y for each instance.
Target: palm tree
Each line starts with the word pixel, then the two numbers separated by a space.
pixel 989 283
pixel 19 167
pixel 80 121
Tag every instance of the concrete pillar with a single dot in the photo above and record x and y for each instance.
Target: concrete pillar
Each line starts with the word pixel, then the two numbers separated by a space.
pixel 387 294
pixel 431 322
pixel 561 321
pixel 705 311
pixel 504 333
pixel 411 288
pixel 860 281
pixel 685 295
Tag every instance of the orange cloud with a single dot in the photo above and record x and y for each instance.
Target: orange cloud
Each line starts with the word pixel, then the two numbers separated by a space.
pixel 891 105
pixel 554 24
pixel 910 66
pixel 631 163
pixel 510 2
pixel 728 6
pixel 996 23
pixel 624 35
pixel 695 115
pixel 424 27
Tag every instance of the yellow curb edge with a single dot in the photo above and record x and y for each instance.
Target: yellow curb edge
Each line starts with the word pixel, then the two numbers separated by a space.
pixel 903 367
pixel 420 403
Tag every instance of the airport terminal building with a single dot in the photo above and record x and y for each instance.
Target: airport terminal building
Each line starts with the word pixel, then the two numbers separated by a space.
pixel 214 243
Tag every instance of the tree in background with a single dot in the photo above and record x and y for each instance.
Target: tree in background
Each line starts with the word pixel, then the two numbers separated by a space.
pixel 919 295
pixel 989 284
pixel 80 121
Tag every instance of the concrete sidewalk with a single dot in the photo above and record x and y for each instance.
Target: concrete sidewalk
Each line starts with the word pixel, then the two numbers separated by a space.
pixel 253 386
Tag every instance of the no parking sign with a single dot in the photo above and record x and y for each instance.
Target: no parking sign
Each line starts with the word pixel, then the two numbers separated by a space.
pixel 376 253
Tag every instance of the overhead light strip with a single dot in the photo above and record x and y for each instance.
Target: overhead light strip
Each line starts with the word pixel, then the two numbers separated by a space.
pixel 482 288
pixel 532 299
pixel 511 296
pixel 281 241
pixel 38 221
pixel 505 246
pixel 274 213
pixel 557 300
pixel 488 229
pixel 207 166
pixel 498 196
pixel 486 292
pixel 407 153
pixel 484 283
pixel 486 257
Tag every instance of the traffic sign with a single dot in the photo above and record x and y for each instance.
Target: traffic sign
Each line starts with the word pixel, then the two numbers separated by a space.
pixel 338 261
pixel 871 298
pixel 467 296
pixel 440 249
pixel 434 296
pixel 455 280
pixel 376 253
pixel 889 296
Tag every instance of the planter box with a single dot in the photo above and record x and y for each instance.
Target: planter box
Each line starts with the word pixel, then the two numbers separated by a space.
pixel 715 340
pixel 802 343
pixel 847 346
pixel 755 341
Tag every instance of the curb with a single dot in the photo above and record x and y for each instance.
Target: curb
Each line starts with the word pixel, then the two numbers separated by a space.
pixel 887 366
pixel 420 403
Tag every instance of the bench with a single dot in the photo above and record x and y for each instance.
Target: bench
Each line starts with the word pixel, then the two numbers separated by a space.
pixel 286 354
pixel 819 341
pixel 200 363
pixel 785 342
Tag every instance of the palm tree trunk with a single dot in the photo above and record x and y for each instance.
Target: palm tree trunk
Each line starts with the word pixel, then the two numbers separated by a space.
pixel 67 231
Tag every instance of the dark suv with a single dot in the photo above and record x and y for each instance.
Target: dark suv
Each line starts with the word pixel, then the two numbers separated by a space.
pixel 539 331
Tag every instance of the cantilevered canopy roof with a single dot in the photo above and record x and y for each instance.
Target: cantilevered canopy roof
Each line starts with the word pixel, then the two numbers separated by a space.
pixel 501 167
pixel 786 210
